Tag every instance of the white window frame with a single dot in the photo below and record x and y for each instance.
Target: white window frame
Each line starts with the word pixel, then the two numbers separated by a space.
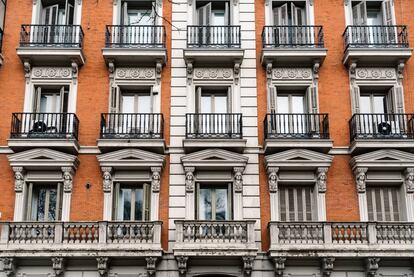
pixel 213 186
pixel 401 214
pixel 37 14
pixel 118 10
pixel 313 204
pixel 309 12
pixel 146 203
pixel 349 14
pixel 30 212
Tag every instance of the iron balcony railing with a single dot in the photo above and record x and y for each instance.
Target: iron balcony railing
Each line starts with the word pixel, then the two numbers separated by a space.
pixel 51 36
pixel 380 36
pixel 381 126
pixel 214 125
pixel 132 125
pixel 131 36
pixel 296 126
pixel 292 36
pixel 213 36
pixel 44 125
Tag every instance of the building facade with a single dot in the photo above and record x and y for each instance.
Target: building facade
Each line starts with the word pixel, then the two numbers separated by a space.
pixel 206 138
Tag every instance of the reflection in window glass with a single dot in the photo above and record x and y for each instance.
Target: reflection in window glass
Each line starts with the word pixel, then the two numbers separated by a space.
pixel 213 203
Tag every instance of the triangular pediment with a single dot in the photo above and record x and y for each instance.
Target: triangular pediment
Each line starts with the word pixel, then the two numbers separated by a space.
pixel 39 157
pixel 214 157
pixel 297 158
pixel 131 157
pixel 384 158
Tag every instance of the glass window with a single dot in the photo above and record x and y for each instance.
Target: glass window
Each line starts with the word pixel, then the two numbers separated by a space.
pixel 214 202
pixel 132 202
pixel 383 203
pixel 45 202
pixel 296 203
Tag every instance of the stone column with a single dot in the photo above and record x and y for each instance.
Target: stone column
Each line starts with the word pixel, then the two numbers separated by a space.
pixel 20 189
pixel 155 193
pixel 321 178
pixel 238 193
pixel 273 190
pixel 108 191
pixel 67 175
pixel 189 195
pixel 360 179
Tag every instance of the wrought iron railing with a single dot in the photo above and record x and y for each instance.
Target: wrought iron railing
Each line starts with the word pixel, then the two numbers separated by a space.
pixel 381 126
pixel 381 36
pixel 134 36
pixel 227 36
pixel 298 126
pixel 132 125
pixel 214 125
pixel 44 125
pixel 292 36
pixel 51 36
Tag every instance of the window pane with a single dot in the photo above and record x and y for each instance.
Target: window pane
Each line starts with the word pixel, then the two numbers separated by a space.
pixel 52 204
pixel 206 104
pixel 295 203
pixel 220 104
pixel 380 104
pixel 221 204
pixel 144 104
pixel 365 104
pixel 128 103
pixel 139 201
pixel 283 104
pixel 298 104
pixel 125 204
pixel 41 202
pixel 383 204
pixel 205 208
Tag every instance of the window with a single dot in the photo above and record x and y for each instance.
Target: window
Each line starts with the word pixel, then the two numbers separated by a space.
pixel 45 202
pixel 214 202
pixel 50 99
pixel 132 202
pixel 372 13
pixel 214 13
pixel 58 12
pixel 291 13
pixel 2 16
pixel 383 203
pixel 296 203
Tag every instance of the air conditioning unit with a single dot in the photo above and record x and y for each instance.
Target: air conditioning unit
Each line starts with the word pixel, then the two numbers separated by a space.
pixel 388 128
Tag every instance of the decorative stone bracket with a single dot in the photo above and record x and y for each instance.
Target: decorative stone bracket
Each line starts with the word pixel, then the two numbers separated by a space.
pixel 107 179
pixel 372 266
pixel 409 180
pixel 18 178
pixel 279 263
pixel 248 262
pixel 67 175
pixel 182 264
pixel 102 265
pixel 273 179
pixel 327 266
pixel 238 179
pixel 321 179
pixel 360 178
pixel 9 266
pixel 151 265
pixel 189 179
pixel 57 266
pixel 156 179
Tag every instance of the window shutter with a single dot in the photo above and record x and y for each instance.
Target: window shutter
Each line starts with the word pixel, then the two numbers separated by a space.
pixel 207 15
pixel 226 14
pixel 124 13
pixel 383 204
pixel 116 211
pixel 272 99
pixel 31 214
pixel 387 12
pixel 276 16
pixel 294 14
pixel 295 203
pixel 356 97
pixel 59 197
pixel 36 99
pixel 147 202
pixel 359 14
pixel 284 15
pixel 115 99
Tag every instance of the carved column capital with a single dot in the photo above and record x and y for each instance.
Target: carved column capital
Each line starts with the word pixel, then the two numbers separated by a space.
pixel 182 264
pixel 360 178
pixel 18 178
pixel 372 266
pixel 103 264
pixel 273 179
pixel 156 179
pixel 238 179
pixel 279 265
pixel 67 175
pixel 151 265
pixel 57 265
pixel 9 266
pixel 248 262
pixel 409 180
pixel 321 179
pixel 327 266
pixel 107 179
pixel 189 178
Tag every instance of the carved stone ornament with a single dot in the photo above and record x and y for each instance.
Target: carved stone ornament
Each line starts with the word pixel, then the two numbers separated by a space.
pixel 238 179
pixel 327 266
pixel 151 264
pixel 57 265
pixel 111 67
pixel 315 69
pixel 292 73
pixel 107 179
pixel 400 71
pixel 18 179
pixel 102 265
pixel 27 69
pixel 190 70
pixel 273 179
pixel 67 179
pixel 352 70
pixel 182 264
pixel 372 266
pixel 52 72
pixel 248 262
pixel 9 266
pixel 360 179
pixel 409 180
pixel 279 265
pixel 189 179
pixel 158 70
pixel 236 72
pixel 374 73
pixel 135 73
pixel 321 179
pixel 213 74
pixel 156 179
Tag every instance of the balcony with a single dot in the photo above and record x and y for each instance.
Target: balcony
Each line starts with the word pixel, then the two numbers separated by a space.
pixel 207 45
pixel 376 45
pixel 132 130
pixel 361 239
pixel 137 45
pixel 51 45
pixel 286 131
pixel 214 130
pixel 80 239
pixel 50 130
pixel 215 238
pixel 379 131
pixel 293 45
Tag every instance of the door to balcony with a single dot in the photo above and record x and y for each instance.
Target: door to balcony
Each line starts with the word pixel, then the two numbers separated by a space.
pixel 214 202
pixel 138 19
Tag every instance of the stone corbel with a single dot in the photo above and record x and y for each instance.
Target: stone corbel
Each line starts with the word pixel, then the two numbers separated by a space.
pixel 67 175
pixel 9 266
pixel 238 179
pixel 190 71
pixel 111 69
pixel 315 69
pixel 190 2
pixel 273 179
pixel 352 70
pixel 267 2
pixel 75 69
pixel 103 264
pixel 346 2
pixel 360 179
pixel 27 70
pixel 151 265
pixel 327 266
pixel 372 266
pixel 236 72
pixel 248 262
pixel 18 178
pixel 114 2
pixel 189 178
pixel 321 179
pixel 310 2
pixel 400 71
pixel 409 180
pixel 156 179
pixel 269 70
pixel 279 266
pixel 235 2
pixel 158 70
pixel 57 266
pixel 107 179
pixel 182 264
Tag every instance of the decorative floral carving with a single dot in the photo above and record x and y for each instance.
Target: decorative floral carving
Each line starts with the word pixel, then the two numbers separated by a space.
pixel 52 73
pixel 238 179
pixel 189 179
pixel 321 179
pixel 409 180
pixel 292 73
pixel 156 179
pixel 375 73
pixel 18 179
pixel 135 73
pixel 121 73
pixel 360 177
pixel 362 73
pixel 213 73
